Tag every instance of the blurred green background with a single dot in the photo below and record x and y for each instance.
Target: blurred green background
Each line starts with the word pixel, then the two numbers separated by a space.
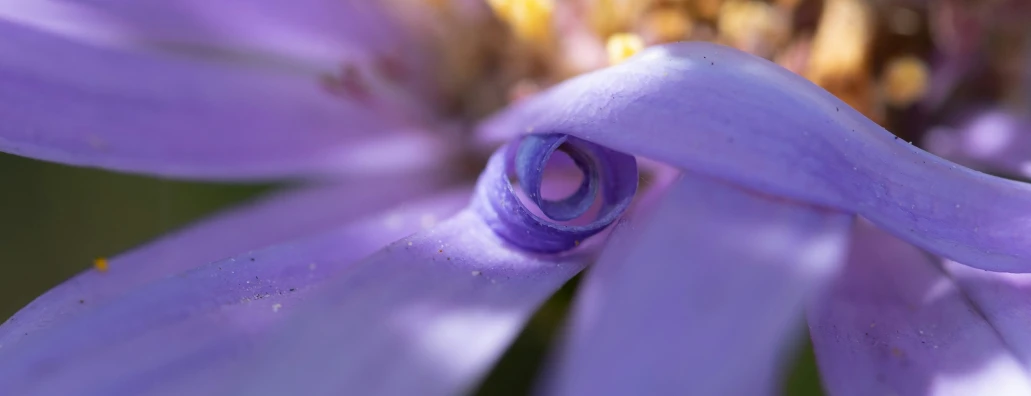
pixel 55 219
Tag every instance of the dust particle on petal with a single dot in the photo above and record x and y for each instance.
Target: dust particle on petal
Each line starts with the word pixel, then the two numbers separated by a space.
pixel 276 307
pixel 476 273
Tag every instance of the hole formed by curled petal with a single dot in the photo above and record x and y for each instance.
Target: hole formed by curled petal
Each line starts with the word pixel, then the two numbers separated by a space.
pixel 608 173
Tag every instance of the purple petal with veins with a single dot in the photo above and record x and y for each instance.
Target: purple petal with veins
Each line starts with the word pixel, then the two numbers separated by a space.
pixel 1004 300
pixel 191 118
pixel 430 313
pixel 724 113
pixel 698 294
pixel 183 333
pixel 272 220
pixel 893 323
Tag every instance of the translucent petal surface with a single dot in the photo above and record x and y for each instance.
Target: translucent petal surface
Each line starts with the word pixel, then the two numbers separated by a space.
pixel 428 315
pixel 184 334
pixel 302 33
pixel 1003 299
pixel 894 323
pixel 698 295
pixel 278 218
pixel 720 112
pixel 173 116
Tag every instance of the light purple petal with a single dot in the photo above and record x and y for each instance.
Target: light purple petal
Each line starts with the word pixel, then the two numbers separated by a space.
pixel 67 102
pixel 993 140
pixel 724 113
pixel 310 33
pixel 894 323
pixel 428 315
pixel 182 334
pixel 1003 299
pixel 699 296
pixel 278 218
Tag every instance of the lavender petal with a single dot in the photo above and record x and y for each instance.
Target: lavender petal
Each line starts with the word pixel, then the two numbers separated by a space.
pixel 699 295
pixel 274 219
pixel 724 113
pixel 185 334
pixel 1004 300
pixel 427 315
pixel 893 323
pixel 68 102
pixel 302 34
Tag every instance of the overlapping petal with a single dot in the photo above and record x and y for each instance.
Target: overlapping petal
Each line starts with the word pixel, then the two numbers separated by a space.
pixel 72 103
pixel 427 315
pixel 184 334
pixel 306 34
pixel 724 113
pixel 272 220
pixel 894 323
pixel 1004 300
pixel 699 294
pixel 431 313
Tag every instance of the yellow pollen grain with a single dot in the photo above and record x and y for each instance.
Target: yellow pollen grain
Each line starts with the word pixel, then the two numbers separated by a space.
pixel 100 264
pixel 621 46
pixel 904 81
pixel 529 19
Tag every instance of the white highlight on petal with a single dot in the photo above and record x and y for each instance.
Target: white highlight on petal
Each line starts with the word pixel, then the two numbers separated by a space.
pixel 476 331
pixel 941 288
pixel 1003 375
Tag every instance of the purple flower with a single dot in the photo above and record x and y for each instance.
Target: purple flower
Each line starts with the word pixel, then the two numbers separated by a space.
pixel 387 273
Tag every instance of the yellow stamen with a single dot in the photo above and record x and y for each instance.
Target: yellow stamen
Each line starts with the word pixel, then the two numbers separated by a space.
pixel 667 24
pixel 904 81
pixel 611 16
pixel 100 264
pixel 529 19
pixel 753 26
pixel 839 56
pixel 621 46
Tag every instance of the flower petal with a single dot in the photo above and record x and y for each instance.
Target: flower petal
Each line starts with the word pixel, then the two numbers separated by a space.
pixel 178 335
pixel 428 315
pixel 66 102
pixel 724 113
pixel 893 323
pixel 1003 299
pixel 699 296
pixel 278 218
pixel 312 33
pixel 993 141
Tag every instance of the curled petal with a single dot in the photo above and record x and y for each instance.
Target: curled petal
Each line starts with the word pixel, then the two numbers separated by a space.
pixel 67 102
pixel 496 200
pixel 698 295
pixel 724 113
pixel 274 219
pixel 186 334
pixel 893 323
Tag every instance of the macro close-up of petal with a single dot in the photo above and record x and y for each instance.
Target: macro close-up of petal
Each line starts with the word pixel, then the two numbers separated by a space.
pixel 507 197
